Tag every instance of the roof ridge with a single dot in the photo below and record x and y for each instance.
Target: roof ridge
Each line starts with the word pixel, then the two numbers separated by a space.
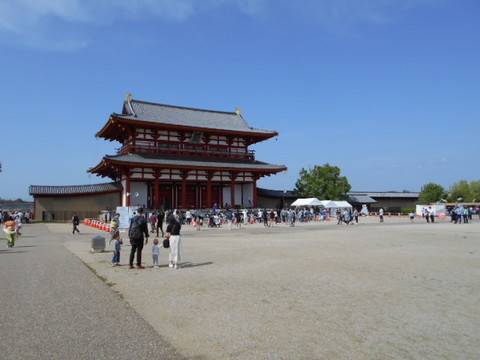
pixel 185 107
pixel 111 183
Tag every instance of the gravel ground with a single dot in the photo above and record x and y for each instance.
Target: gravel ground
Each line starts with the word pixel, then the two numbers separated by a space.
pixel 54 307
pixel 395 290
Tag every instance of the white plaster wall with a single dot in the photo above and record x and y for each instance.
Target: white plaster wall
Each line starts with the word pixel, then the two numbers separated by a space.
pixel 239 199
pixel 226 195
pixel 141 189
pixel 247 195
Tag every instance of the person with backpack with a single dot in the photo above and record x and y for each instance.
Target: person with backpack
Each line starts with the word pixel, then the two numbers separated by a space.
pixel 138 228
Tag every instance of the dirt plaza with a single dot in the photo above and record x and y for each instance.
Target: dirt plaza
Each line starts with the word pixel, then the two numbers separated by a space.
pixel 396 290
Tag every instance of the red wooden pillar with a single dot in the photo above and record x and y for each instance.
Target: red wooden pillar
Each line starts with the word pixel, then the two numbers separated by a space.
pixel 232 188
pixel 255 195
pixel 209 189
pixel 184 189
pixel 157 193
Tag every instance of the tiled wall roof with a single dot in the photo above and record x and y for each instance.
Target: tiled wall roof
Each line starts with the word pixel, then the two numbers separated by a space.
pixel 74 189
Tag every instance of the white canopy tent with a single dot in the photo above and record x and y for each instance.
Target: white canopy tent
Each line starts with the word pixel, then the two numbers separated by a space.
pixel 307 202
pixel 339 204
pixel 326 203
pixel 332 206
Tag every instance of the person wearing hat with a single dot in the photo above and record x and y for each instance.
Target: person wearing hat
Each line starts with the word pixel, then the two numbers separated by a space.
pixel 138 228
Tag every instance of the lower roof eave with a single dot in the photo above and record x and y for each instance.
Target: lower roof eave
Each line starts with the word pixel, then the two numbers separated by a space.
pixel 255 168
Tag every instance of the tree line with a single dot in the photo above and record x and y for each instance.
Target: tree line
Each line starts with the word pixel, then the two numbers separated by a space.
pixel 325 182
pixel 461 191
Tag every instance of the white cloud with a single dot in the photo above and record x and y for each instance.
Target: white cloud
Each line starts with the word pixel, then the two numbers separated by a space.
pixel 18 16
pixel 29 21
pixel 37 23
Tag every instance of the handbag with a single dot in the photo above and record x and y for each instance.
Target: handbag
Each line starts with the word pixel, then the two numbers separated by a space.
pixel 166 243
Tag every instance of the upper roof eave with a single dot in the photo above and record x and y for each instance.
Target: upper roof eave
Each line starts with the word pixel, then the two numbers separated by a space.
pixel 251 131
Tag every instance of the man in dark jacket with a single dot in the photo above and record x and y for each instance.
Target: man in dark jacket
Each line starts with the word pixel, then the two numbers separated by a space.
pixel 138 228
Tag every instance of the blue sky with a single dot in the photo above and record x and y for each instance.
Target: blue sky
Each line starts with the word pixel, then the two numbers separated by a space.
pixel 388 90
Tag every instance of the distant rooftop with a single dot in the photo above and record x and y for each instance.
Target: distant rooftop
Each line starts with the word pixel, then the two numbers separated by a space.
pixel 75 189
pixel 385 194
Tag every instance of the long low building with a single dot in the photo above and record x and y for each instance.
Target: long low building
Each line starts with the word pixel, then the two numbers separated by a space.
pixel 374 200
pixel 390 201
pixel 58 203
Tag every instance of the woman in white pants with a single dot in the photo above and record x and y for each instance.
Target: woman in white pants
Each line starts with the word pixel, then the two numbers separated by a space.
pixel 173 233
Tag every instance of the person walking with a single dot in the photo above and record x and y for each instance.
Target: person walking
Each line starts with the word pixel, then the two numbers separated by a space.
pixel 229 217
pixel 136 232
pixel 153 222
pixel 198 221
pixel 188 217
pixel 355 215
pixel 11 230
pixel 75 222
pixel 459 212
pixel 238 219
pixel 160 219
pixel 265 218
pixel 412 216
pixel 173 234
pixel 426 214
pixel 380 214
pixel 465 215
pixel 431 213
pixel 346 216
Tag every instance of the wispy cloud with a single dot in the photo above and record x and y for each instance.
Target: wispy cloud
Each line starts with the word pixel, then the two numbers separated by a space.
pixel 346 15
pixel 31 22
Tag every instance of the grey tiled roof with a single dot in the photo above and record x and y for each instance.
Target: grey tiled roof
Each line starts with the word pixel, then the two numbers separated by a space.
pixel 167 160
pixel 385 194
pixel 276 193
pixel 198 118
pixel 364 199
pixel 74 189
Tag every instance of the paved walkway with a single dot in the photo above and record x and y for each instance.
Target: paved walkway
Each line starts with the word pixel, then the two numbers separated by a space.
pixel 54 307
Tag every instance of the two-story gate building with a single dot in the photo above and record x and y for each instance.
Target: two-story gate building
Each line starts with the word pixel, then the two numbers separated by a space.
pixel 179 157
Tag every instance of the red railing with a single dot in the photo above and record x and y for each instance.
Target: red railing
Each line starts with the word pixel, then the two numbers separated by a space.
pixel 217 153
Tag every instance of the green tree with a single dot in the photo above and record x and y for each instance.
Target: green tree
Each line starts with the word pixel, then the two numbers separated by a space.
pixel 431 193
pixel 465 191
pixel 322 182
pixel 475 190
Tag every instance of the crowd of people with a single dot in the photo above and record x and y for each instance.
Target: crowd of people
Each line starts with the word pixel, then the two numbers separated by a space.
pixel 143 225
pixel 458 213
pixel 237 217
pixel 461 213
